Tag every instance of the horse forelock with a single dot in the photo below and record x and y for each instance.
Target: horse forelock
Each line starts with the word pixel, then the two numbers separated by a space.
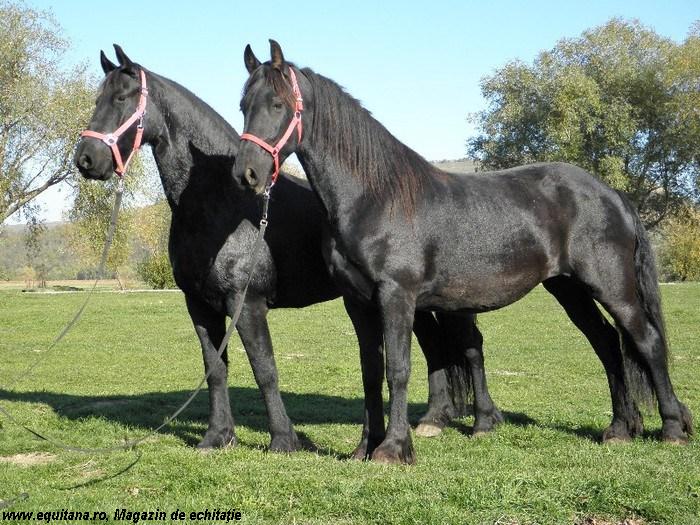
pixel 275 79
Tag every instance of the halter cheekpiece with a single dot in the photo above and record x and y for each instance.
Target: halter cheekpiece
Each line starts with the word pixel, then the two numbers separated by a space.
pixel 111 139
pixel 295 123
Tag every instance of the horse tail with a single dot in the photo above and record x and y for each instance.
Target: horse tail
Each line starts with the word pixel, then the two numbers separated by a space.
pixel 647 285
pixel 458 371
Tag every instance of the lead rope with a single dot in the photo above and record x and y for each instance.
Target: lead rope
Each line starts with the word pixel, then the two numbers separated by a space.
pixel 129 445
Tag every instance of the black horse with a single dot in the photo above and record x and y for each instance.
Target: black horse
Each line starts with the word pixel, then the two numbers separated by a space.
pixel 214 225
pixel 407 237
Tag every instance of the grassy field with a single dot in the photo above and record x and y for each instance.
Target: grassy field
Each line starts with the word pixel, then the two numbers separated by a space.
pixel 134 358
pixel 70 285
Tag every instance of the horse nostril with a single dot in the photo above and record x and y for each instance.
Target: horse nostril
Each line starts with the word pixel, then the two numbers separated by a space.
pixel 85 161
pixel 251 177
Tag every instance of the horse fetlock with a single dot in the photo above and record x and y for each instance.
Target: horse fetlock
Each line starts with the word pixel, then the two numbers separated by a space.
pixel 686 419
pixel 368 443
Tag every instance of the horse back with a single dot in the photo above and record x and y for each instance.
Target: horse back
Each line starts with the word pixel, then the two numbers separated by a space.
pixel 481 241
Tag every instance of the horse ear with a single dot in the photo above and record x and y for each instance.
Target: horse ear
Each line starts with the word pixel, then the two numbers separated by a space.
pixel 107 65
pixel 276 56
pixel 124 61
pixel 251 61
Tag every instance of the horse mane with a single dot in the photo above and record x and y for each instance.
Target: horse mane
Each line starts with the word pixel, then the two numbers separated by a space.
pixel 388 169
pixel 391 171
pixel 212 127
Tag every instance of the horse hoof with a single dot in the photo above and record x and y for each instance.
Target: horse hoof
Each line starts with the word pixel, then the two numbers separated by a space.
pixel 428 430
pixel 614 440
pixel 285 444
pixel 676 441
pixel 399 454
pixel 387 458
pixel 614 435
pixel 218 440
pixel 672 432
pixel 359 454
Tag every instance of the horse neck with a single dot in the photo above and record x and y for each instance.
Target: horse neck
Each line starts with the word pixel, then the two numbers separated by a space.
pixel 190 136
pixel 353 162
pixel 337 189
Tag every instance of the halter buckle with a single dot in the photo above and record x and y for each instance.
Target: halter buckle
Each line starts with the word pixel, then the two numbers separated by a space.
pixel 110 139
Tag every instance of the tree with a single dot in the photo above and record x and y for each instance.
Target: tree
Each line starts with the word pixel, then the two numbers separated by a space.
pixel 620 101
pixel 152 228
pixel 90 214
pixel 42 107
pixel 32 242
pixel 680 248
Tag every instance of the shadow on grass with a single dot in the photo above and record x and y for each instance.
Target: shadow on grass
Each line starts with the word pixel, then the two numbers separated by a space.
pixel 148 410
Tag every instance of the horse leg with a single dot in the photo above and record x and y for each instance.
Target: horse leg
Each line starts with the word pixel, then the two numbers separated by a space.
pixel 255 335
pixel 468 342
pixel 369 337
pixel 605 340
pixel 441 409
pixel 647 344
pixel 210 327
pixel 397 308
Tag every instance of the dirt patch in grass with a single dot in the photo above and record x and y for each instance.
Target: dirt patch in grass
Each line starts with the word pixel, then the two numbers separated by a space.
pixel 592 520
pixel 29 460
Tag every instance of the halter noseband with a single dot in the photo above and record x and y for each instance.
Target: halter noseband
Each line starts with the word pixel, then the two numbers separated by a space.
pixel 111 139
pixel 295 123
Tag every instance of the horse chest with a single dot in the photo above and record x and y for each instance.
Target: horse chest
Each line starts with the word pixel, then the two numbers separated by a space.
pixel 214 265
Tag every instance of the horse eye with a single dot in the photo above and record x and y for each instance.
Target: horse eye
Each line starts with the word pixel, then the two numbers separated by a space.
pixel 121 98
pixel 277 105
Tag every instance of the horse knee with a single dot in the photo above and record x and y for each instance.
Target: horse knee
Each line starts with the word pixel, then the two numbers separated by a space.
pixel 474 355
pixel 218 374
pixel 398 377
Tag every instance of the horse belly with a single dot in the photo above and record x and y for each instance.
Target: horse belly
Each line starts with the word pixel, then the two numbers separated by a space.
pixel 480 281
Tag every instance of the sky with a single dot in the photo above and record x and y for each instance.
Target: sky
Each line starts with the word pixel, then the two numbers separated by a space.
pixel 415 65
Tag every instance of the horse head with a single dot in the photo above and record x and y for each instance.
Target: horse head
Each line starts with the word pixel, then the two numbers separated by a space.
pixel 274 110
pixel 119 122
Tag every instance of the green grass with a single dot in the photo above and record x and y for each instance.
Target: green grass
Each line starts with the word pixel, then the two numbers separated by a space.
pixel 134 357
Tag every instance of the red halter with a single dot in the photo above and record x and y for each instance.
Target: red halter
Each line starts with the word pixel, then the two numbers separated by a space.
pixel 295 123
pixel 111 139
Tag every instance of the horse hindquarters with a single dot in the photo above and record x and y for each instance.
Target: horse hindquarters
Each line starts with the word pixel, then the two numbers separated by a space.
pixel 467 349
pixel 457 373
pixel 605 340
pixel 627 286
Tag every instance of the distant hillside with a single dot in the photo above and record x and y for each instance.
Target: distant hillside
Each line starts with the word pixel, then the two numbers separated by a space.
pixel 55 255
pixel 19 229
pixel 453 166
pixel 456 166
